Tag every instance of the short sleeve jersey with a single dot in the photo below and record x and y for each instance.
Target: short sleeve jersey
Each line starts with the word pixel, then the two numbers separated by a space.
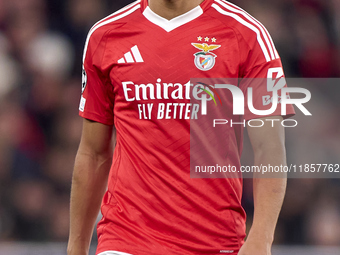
pixel 137 68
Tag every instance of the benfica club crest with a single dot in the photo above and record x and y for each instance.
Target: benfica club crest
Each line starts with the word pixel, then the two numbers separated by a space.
pixel 205 60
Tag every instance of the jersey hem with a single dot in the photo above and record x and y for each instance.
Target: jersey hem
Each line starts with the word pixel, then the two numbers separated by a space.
pixel 113 253
pixel 124 253
pixel 109 252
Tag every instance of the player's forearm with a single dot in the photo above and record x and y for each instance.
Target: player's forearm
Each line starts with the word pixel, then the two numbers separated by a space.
pixel 268 194
pixel 88 187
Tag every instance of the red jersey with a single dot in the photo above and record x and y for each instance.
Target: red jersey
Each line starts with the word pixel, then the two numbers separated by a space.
pixel 137 71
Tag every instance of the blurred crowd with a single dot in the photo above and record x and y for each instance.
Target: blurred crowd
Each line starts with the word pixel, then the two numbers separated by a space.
pixel 41 44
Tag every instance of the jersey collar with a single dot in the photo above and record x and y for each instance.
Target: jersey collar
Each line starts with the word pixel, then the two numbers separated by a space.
pixel 169 25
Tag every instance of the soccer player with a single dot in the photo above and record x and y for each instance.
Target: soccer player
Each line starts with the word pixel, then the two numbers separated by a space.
pixel 137 67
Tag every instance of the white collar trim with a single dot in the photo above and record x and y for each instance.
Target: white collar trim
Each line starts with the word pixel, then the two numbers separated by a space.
pixel 169 25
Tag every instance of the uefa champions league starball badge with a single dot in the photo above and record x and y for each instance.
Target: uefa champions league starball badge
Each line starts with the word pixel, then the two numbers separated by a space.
pixel 205 60
pixel 84 80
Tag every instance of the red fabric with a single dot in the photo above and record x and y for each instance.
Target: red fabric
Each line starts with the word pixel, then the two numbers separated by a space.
pixel 152 206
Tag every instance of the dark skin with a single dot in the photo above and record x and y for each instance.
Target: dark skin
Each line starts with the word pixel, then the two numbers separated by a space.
pixel 170 9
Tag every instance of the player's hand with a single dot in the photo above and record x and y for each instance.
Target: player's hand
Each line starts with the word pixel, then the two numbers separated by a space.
pixel 255 247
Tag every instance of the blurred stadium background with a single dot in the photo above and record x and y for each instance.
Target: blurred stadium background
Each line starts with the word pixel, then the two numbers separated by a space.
pixel 41 44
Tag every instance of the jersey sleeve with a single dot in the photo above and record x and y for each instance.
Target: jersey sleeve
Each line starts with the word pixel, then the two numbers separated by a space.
pixel 261 70
pixel 97 92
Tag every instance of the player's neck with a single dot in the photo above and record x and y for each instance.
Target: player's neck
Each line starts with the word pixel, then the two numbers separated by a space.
pixel 170 9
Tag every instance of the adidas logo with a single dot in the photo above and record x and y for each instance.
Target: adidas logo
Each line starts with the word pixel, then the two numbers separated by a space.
pixel 132 58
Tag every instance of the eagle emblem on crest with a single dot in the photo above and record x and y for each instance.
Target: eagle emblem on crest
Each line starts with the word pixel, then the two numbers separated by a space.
pixel 205 60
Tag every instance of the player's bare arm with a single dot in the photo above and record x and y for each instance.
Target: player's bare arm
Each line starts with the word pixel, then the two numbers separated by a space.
pixel 269 148
pixel 170 9
pixel 89 182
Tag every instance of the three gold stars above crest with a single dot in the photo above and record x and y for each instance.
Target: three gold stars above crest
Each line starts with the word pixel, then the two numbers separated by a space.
pixel 206 39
